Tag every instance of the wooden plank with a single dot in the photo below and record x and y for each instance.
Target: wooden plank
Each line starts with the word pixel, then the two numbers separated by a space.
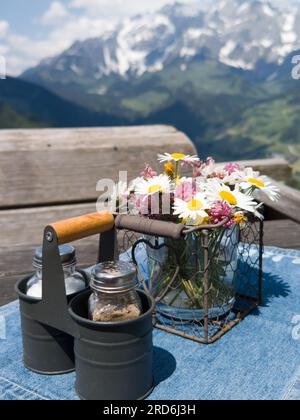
pixel 283 234
pixel 59 166
pixel 78 138
pixel 288 205
pixel 26 226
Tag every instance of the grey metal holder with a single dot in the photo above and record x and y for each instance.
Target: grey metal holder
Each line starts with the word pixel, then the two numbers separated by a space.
pixel 113 360
pixel 46 350
pixel 107 356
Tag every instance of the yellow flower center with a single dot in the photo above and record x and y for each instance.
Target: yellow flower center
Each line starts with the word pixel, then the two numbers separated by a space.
pixel 229 197
pixel 256 182
pixel 155 189
pixel 195 205
pixel 169 169
pixel 178 156
pixel 240 218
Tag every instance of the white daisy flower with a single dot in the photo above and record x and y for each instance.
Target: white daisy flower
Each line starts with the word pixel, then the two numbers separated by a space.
pixel 157 184
pixel 221 192
pixel 233 179
pixel 192 212
pixel 252 179
pixel 177 157
pixel 201 183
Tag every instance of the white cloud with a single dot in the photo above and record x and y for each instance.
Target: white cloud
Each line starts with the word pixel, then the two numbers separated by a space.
pixel 4 26
pixel 3 50
pixel 120 8
pixel 55 13
pixel 25 52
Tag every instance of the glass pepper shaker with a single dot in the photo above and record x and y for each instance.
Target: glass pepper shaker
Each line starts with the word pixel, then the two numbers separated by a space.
pixel 114 297
pixel 74 280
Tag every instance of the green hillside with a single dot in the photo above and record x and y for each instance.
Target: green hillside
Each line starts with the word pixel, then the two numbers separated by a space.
pixel 24 104
pixel 9 118
pixel 224 112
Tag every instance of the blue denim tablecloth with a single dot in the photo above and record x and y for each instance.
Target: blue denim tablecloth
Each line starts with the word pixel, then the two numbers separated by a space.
pixel 259 359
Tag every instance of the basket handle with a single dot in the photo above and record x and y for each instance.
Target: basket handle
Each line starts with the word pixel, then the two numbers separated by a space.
pixel 150 227
pixel 81 227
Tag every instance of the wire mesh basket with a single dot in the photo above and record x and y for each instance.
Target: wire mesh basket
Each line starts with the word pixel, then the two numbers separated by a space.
pixel 205 280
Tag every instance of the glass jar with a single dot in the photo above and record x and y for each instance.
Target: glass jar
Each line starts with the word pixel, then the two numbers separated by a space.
pixel 114 297
pixel 183 295
pixel 74 280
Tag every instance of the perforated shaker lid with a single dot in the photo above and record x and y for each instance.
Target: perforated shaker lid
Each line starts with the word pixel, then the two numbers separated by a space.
pixel 114 277
pixel 67 256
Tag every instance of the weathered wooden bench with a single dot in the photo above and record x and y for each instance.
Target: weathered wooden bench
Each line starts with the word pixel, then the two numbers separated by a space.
pixel 51 174
pixel 48 175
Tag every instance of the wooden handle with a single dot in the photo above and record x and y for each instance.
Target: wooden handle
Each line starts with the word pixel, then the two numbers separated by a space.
pixel 71 230
pixel 150 227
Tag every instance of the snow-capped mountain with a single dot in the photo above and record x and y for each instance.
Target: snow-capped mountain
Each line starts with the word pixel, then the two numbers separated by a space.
pixel 245 34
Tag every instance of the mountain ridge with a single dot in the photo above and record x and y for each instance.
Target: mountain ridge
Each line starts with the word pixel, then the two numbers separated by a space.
pixel 248 35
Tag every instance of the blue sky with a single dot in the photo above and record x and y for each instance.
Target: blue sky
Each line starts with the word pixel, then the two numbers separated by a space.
pixel 31 30
pixel 22 14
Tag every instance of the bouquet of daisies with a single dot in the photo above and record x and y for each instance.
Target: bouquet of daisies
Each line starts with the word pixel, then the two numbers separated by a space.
pixel 210 195
pixel 224 197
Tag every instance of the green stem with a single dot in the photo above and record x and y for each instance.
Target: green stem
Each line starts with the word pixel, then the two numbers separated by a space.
pixel 176 171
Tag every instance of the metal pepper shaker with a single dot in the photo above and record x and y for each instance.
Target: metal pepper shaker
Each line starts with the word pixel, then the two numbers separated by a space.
pixel 114 297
